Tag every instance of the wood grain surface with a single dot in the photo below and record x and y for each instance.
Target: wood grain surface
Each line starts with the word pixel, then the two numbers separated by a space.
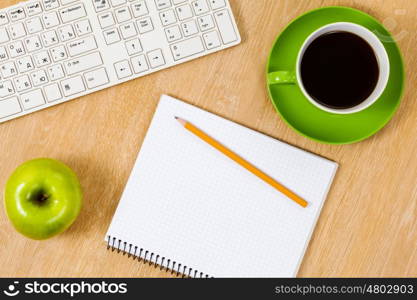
pixel 368 226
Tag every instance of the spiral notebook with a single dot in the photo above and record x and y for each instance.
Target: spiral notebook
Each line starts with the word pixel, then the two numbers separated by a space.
pixel 190 209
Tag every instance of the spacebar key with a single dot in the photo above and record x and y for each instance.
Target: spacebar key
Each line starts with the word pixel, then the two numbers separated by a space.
pixel 187 48
pixel 9 107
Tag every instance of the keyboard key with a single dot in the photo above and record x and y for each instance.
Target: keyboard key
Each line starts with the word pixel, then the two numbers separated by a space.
pixel 50 20
pixel 173 33
pixel 42 58
pixel 106 19
pixel 133 47
pixel 3 53
pixel 205 22
pixel 111 36
pixel 167 17
pixel 32 43
pixel 225 26
pixel 139 9
pixel 66 33
pixel 187 48
pixel 6 89
pixel 200 7
pixel 162 4
pixel 32 99
pixel 156 58
pixel 73 86
pixel 184 12
pixel 9 107
pixel 17 14
pixel 83 27
pixel 83 63
pixel 100 5
pixel 58 53
pixel 123 69
pixel 145 25
pixel 212 40
pixel 139 64
pixel 96 78
pixel 72 13
pixel 50 4
pixel 34 8
pixel 65 2
pixel 49 38
pixel 39 78
pixel 22 83
pixel 4 19
pixel 8 69
pixel 176 2
pixel 123 14
pixel 16 49
pixel 52 92
pixel 117 2
pixel 17 30
pixel 189 28
pixel 34 25
pixel 25 64
pixel 82 46
pixel 56 72
pixel 215 4
pixel 128 30
pixel 4 36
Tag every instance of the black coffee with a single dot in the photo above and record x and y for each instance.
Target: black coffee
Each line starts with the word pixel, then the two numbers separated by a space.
pixel 339 70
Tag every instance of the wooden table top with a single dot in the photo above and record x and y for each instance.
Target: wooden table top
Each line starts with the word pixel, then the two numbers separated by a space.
pixel 368 226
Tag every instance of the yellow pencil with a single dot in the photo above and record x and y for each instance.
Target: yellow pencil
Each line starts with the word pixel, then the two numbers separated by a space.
pixel 248 166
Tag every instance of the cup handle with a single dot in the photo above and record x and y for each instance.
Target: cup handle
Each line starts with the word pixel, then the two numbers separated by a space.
pixel 282 77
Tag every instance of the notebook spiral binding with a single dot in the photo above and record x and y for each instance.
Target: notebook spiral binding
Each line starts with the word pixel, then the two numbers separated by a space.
pixel 151 258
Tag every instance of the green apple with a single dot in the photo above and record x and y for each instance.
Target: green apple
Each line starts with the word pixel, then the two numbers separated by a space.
pixel 42 197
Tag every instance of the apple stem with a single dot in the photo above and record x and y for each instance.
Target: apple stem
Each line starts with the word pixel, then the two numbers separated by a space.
pixel 41 198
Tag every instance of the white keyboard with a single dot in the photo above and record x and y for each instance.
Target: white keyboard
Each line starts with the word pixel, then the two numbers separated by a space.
pixel 52 51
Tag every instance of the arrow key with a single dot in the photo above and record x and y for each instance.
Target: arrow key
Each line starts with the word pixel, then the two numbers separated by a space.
pixel 156 58
pixel 123 69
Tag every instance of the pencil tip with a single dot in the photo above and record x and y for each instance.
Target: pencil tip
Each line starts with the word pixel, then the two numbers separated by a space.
pixel 176 118
pixel 180 120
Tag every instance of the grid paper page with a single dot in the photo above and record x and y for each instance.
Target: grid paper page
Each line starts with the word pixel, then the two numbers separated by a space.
pixel 187 202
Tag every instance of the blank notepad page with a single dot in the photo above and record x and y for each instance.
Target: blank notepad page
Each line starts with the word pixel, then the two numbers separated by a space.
pixel 190 208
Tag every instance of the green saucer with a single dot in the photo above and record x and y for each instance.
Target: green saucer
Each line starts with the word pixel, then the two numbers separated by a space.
pixel 309 120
